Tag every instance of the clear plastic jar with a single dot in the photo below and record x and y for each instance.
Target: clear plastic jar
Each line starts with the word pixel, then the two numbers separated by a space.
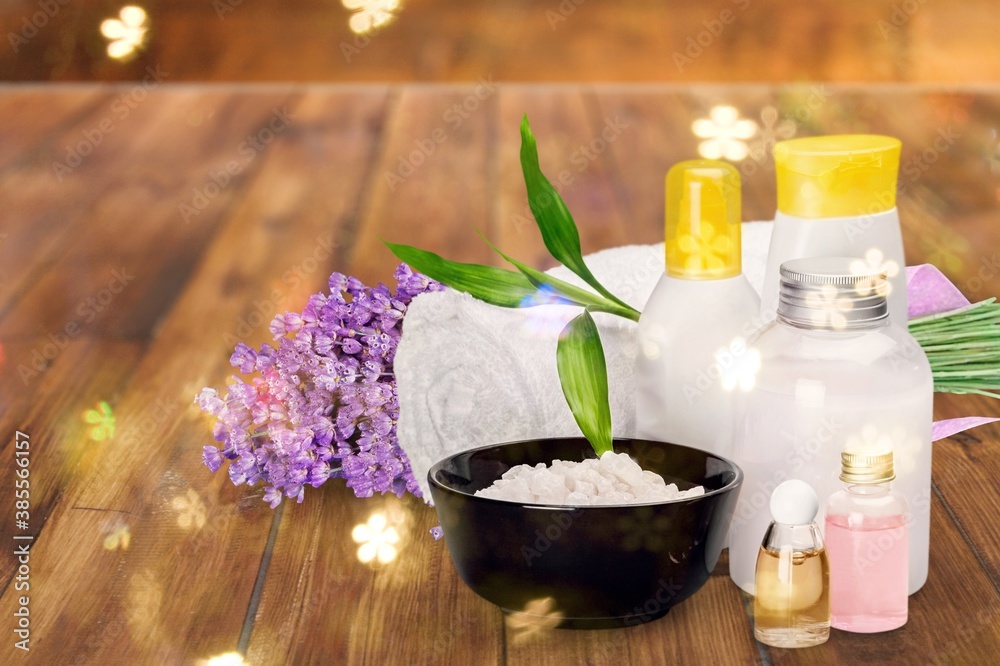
pixel 834 375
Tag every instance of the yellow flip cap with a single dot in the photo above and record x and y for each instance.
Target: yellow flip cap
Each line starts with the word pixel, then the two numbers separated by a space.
pixel 703 220
pixel 837 176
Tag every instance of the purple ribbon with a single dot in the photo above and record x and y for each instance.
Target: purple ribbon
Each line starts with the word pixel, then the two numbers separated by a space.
pixel 949 427
pixel 930 292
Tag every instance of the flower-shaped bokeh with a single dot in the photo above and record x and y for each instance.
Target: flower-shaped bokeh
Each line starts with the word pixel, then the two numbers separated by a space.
pixel 126 33
pixel 874 260
pixel 190 510
pixel 370 15
pixel 827 307
pixel 724 134
pixel 378 540
pixel 773 129
pixel 119 538
pixel 904 445
pixel 538 616
pixel 101 422
pixel 707 252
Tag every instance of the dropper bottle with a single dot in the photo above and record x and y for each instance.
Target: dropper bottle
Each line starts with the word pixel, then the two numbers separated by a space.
pixel 693 330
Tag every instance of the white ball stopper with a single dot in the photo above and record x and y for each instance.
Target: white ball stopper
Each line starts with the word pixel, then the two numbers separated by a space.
pixel 794 502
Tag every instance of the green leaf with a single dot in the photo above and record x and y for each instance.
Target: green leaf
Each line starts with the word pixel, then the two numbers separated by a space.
pixel 496 286
pixel 583 374
pixel 558 229
pixel 545 282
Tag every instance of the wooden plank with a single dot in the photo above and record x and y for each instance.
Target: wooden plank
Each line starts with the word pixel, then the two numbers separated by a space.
pixel 420 607
pixel 965 472
pixel 49 408
pixel 430 186
pixel 135 604
pixel 315 585
pixel 48 202
pixel 115 286
pixel 36 113
pixel 434 207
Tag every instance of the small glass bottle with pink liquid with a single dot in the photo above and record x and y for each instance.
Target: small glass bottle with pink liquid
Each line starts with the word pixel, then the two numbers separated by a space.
pixel 867 543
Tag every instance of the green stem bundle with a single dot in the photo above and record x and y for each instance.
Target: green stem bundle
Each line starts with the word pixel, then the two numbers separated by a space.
pixel 963 347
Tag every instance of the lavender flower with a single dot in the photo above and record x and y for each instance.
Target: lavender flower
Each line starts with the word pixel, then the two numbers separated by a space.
pixel 322 403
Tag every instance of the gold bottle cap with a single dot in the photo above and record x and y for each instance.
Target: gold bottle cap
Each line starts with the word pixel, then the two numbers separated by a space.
pixel 865 468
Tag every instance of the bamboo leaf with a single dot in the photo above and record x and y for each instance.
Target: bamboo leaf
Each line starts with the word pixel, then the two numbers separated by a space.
pixel 496 286
pixel 545 283
pixel 554 220
pixel 583 374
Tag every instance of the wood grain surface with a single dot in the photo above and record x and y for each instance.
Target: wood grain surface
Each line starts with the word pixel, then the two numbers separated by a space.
pixel 128 273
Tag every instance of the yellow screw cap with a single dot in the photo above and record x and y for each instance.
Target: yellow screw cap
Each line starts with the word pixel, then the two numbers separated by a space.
pixel 703 220
pixel 837 176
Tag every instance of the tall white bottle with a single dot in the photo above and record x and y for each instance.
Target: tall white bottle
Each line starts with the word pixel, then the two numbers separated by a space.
pixel 837 197
pixel 693 330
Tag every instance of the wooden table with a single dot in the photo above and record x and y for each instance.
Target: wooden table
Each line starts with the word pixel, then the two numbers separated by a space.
pixel 145 229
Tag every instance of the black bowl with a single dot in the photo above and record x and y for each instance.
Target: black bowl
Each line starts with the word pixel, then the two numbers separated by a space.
pixel 585 567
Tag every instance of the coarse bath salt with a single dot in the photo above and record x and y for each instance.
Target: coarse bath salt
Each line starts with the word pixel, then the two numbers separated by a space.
pixel 614 478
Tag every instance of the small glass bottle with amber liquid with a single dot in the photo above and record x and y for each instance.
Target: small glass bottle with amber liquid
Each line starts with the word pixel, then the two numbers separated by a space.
pixel 792 582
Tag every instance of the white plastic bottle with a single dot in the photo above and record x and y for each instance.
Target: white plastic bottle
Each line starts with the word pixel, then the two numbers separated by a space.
pixel 837 197
pixel 692 330
pixel 835 376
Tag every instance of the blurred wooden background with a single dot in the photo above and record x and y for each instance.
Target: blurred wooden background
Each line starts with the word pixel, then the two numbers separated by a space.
pixel 513 40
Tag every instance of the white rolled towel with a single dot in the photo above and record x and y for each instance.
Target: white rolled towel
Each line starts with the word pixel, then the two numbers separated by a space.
pixel 470 374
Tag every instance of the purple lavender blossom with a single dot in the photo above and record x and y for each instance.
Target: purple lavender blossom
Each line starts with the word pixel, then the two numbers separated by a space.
pixel 321 404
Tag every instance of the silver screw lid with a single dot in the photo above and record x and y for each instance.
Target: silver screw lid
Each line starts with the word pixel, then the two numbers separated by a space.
pixel 833 293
